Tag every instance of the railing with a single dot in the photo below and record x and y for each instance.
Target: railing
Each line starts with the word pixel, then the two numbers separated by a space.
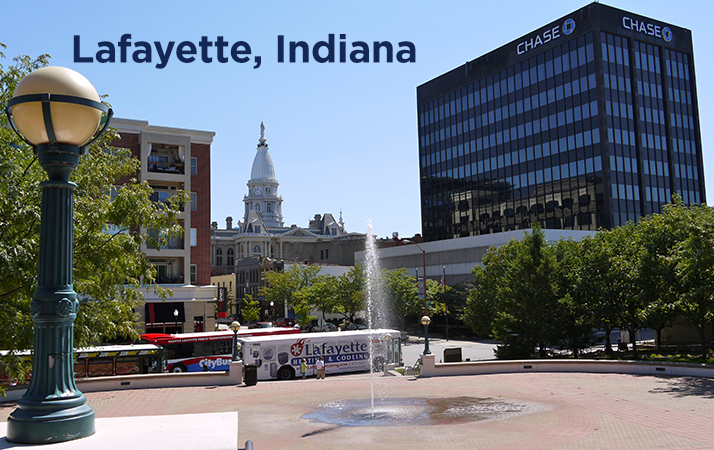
pixel 165 165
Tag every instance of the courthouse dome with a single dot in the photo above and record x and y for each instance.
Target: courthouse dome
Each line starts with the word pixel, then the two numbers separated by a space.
pixel 263 169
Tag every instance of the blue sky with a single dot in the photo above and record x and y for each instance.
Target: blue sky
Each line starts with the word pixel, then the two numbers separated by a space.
pixel 342 136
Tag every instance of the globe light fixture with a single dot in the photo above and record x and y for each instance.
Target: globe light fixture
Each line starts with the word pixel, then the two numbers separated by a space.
pixel 235 326
pixel 426 321
pixel 56 111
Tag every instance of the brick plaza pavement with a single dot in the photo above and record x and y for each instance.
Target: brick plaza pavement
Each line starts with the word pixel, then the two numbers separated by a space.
pixel 569 411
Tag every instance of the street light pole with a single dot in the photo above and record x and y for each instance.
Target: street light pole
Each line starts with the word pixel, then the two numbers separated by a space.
pixel 423 252
pixel 235 326
pixel 426 321
pixel 443 282
pixel 56 111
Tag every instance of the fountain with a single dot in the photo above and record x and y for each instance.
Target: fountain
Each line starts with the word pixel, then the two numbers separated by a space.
pixel 374 310
pixel 405 411
pixel 418 411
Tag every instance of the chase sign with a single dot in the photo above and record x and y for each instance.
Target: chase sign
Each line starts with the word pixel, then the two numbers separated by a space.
pixel 649 29
pixel 548 35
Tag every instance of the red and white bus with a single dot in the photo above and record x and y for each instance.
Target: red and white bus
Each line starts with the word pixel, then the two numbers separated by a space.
pixel 204 352
pixel 279 357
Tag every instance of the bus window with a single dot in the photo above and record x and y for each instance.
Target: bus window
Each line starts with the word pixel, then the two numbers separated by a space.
pixel 223 348
pixel 127 365
pixel 80 368
pixel 203 349
pixel 100 368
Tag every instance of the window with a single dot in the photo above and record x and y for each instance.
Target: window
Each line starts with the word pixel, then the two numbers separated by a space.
pixel 193 273
pixel 194 201
pixel 194 168
pixel 194 238
pixel 229 257
pixel 219 257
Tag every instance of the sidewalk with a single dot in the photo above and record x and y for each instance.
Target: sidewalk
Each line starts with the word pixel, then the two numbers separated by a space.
pixel 573 411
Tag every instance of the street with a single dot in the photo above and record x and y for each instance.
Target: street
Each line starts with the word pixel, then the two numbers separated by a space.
pixel 472 350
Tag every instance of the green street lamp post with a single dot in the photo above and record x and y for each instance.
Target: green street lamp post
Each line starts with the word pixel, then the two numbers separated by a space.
pixel 426 321
pixel 57 111
pixel 235 326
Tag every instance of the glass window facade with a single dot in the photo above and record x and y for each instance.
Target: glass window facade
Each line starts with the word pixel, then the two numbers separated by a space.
pixel 591 132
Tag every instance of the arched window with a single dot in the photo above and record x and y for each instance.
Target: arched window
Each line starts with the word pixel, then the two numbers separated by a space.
pixel 257 207
pixel 219 256
pixel 256 249
pixel 229 257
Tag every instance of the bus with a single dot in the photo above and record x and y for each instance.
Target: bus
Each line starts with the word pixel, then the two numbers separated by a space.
pixel 112 360
pixel 209 351
pixel 279 357
pixel 104 361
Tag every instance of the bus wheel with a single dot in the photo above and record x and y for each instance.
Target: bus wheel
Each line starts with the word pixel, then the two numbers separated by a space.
pixel 178 368
pixel 285 373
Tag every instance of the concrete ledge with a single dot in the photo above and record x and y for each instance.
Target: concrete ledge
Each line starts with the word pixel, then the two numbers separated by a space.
pixel 232 377
pixel 213 431
pixel 429 368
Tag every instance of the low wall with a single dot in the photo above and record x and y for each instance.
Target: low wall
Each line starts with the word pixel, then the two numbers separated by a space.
pixel 232 377
pixel 429 368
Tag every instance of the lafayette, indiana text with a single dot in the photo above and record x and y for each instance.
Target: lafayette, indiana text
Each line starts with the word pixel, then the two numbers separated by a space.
pixel 223 51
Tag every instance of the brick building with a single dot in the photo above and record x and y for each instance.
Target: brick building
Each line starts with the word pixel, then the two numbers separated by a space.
pixel 173 159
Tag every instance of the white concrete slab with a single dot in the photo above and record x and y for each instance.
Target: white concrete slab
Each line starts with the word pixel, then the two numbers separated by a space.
pixel 214 431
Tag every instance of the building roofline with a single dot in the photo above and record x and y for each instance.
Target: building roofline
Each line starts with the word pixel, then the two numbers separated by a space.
pixel 133 125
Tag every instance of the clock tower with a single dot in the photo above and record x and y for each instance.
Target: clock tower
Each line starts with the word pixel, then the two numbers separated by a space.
pixel 263 195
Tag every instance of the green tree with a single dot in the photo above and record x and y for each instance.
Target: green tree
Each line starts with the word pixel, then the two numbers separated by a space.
pixel 527 310
pixel 694 269
pixel 110 270
pixel 595 284
pixel 659 236
pixel 251 309
pixel 524 297
pixel 403 297
pixel 321 294
pixel 284 287
pixel 483 298
pixel 350 293
pixel 575 329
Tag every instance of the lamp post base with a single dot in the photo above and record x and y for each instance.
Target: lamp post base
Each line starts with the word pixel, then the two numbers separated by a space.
pixel 50 422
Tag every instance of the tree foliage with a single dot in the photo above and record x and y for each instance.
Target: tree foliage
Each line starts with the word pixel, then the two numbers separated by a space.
pixel 110 270
pixel 533 295
pixel 251 309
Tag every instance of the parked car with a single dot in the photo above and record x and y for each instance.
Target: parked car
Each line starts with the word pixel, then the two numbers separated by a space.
pixel 314 325
pixel 355 326
pixel 260 325
pixel 326 327
pixel 282 322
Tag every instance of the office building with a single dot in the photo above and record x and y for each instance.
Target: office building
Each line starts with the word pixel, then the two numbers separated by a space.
pixel 586 123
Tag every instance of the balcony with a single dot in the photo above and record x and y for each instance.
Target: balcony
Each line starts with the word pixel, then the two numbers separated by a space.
pixel 158 242
pixel 166 159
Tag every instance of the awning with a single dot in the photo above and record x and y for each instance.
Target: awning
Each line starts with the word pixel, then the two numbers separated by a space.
pixel 164 313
